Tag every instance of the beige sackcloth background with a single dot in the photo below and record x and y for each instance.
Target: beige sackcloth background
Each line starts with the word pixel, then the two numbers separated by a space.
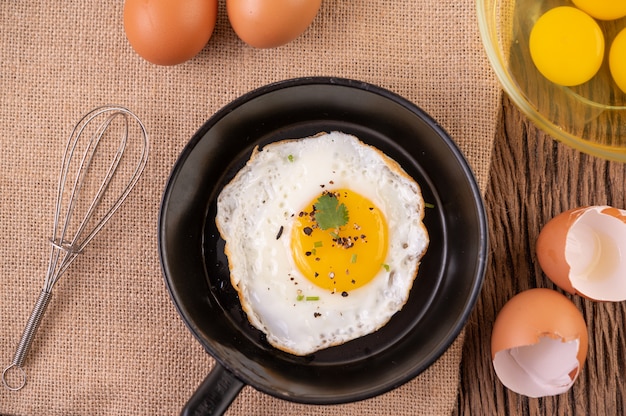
pixel 111 342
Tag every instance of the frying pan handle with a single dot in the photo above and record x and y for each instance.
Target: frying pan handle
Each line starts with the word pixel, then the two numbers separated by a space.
pixel 215 394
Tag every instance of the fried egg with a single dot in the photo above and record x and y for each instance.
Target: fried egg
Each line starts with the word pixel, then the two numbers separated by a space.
pixel 324 237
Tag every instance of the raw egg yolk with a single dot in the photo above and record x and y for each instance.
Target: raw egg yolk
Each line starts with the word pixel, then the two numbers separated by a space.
pixel 603 9
pixel 617 60
pixel 342 258
pixel 567 46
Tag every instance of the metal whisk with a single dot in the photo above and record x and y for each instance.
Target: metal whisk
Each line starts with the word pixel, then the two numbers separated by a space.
pixel 103 160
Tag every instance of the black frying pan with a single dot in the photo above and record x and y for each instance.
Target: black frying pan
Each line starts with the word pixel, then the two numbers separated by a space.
pixel 196 269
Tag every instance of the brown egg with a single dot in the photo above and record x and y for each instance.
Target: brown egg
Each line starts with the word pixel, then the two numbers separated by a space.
pixel 581 250
pixel 271 23
pixel 539 343
pixel 169 32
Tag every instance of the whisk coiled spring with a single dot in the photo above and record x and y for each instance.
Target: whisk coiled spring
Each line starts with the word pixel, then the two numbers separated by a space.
pixel 105 164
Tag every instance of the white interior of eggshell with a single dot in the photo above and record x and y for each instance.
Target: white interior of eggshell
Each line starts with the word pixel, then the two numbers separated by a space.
pixel 538 370
pixel 594 250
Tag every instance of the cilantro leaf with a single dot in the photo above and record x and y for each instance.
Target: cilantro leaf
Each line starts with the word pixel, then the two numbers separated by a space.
pixel 329 213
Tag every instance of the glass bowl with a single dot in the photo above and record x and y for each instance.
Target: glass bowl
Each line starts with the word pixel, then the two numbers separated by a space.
pixel 590 117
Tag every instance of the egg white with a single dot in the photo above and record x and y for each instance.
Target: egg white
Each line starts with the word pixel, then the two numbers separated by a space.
pixel 255 215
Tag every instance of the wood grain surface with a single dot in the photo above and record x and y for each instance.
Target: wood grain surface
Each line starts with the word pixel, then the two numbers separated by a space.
pixel 533 178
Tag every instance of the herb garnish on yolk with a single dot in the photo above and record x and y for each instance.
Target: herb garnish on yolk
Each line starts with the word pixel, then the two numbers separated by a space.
pixel 339 241
pixel 329 213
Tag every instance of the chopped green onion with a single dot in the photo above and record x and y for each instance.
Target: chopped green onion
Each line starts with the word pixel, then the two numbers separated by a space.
pixel 334 235
pixel 317 244
pixel 353 260
pixel 386 266
pixel 299 297
pixel 428 205
pixel 290 158
pixel 312 298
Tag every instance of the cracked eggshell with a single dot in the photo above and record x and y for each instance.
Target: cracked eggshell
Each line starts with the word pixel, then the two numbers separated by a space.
pixel 539 343
pixel 583 251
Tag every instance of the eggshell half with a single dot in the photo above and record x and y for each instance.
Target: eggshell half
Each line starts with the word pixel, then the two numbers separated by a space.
pixel 539 343
pixel 583 251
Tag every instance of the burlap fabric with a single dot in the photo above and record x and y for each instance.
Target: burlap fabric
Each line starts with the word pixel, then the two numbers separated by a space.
pixel 111 342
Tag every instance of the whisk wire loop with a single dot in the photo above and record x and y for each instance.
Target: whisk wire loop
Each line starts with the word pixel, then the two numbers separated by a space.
pixel 61 260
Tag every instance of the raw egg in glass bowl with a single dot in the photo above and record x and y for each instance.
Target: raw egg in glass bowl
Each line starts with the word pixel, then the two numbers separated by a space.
pixel 558 61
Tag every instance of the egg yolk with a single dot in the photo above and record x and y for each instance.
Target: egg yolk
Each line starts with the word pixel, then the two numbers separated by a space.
pixel 617 60
pixel 603 9
pixel 341 258
pixel 567 46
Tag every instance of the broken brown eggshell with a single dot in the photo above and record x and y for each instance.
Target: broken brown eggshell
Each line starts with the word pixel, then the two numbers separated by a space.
pixel 583 251
pixel 539 343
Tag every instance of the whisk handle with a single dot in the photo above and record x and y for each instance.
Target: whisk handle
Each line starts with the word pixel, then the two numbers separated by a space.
pixel 25 342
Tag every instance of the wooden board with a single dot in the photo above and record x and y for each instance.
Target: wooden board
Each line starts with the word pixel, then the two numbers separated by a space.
pixel 534 178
